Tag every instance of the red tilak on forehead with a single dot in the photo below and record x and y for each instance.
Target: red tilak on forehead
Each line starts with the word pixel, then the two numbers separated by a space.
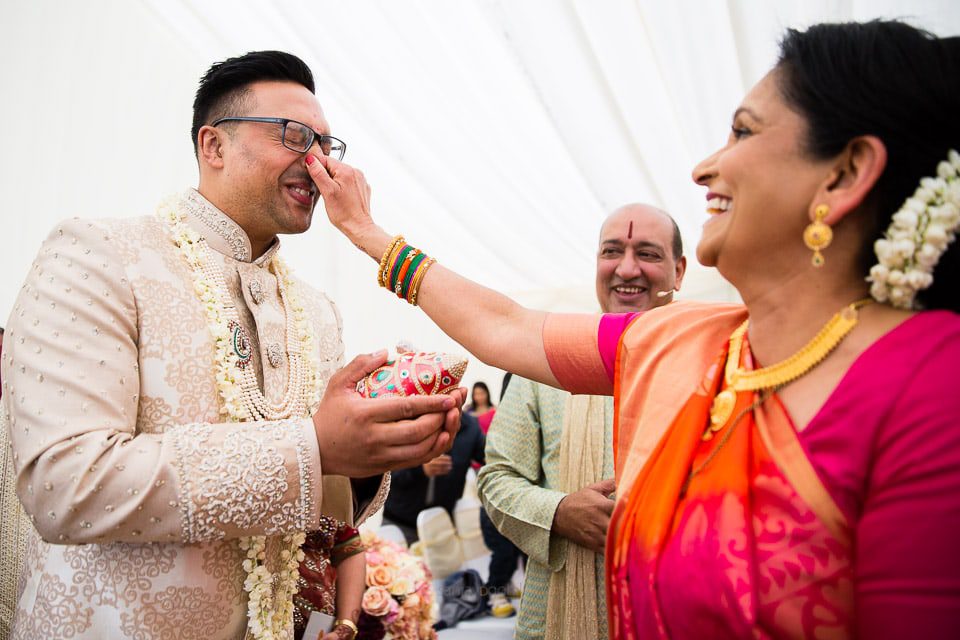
pixel 630 231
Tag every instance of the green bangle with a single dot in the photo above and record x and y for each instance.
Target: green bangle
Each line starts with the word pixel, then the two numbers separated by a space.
pixel 395 269
pixel 414 265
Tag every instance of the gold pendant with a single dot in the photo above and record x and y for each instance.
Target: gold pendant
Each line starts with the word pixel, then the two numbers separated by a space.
pixel 720 412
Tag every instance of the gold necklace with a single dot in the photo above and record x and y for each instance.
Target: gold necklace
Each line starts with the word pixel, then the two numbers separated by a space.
pixel 777 375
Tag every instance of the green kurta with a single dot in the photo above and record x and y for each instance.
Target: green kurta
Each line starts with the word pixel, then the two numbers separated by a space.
pixel 518 488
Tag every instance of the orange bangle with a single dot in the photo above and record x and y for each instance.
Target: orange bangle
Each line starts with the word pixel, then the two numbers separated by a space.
pixel 407 261
pixel 393 265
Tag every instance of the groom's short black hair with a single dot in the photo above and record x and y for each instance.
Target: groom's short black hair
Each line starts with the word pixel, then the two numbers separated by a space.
pixel 224 87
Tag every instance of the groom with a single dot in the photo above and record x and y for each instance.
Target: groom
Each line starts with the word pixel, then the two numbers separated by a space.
pixel 178 406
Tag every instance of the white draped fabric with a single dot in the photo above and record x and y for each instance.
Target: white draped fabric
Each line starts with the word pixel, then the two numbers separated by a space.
pixel 496 133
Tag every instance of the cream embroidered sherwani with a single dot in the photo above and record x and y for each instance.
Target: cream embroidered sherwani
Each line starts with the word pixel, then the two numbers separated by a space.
pixel 519 489
pixel 136 485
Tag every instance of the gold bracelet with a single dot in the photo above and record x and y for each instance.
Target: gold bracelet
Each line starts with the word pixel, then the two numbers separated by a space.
pixel 396 242
pixel 350 624
pixel 392 262
pixel 395 245
pixel 418 279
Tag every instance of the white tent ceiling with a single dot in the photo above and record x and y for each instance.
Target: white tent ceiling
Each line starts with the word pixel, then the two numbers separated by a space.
pixel 496 133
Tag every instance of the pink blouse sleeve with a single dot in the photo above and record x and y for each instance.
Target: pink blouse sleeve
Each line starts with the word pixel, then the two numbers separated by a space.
pixel 582 349
pixel 908 557
pixel 612 326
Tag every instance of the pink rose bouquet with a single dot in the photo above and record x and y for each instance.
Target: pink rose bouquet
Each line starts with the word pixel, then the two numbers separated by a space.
pixel 399 601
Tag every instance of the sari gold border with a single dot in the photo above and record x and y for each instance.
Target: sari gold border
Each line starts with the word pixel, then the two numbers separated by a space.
pixel 776 429
pixel 661 361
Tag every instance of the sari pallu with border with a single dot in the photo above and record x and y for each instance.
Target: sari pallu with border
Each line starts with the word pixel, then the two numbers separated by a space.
pixel 751 546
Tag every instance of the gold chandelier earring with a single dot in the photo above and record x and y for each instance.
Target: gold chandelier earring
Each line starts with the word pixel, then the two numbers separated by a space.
pixel 818 234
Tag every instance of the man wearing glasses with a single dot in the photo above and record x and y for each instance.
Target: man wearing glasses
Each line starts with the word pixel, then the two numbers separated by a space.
pixel 177 407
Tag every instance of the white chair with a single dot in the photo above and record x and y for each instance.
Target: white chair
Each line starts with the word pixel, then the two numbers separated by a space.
pixel 441 546
pixel 392 533
pixel 466 515
pixel 372 524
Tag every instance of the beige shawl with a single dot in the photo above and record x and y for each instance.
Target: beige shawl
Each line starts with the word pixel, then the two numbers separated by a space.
pixel 572 599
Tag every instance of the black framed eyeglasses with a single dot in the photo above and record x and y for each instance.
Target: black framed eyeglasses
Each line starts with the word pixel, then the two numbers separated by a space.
pixel 297 136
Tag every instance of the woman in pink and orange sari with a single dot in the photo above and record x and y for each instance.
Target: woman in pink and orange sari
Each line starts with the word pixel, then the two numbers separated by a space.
pixel 789 467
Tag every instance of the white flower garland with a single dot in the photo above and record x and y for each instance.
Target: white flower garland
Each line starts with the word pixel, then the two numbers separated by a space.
pixel 921 231
pixel 266 620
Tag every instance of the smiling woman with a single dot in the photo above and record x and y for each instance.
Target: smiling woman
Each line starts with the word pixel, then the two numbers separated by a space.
pixel 818 495
pixel 743 200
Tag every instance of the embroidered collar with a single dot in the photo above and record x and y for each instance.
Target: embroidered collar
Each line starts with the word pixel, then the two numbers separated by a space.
pixel 219 230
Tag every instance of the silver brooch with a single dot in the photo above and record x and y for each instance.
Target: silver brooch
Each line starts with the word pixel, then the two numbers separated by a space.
pixel 256 291
pixel 274 355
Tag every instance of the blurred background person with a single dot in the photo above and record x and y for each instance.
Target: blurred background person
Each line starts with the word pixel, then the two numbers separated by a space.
pixel 549 468
pixel 504 554
pixel 481 405
pixel 437 483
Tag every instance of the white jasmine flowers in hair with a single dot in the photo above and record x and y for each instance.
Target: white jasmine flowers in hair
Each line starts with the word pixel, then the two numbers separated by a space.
pixel 928 256
pixel 887 254
pixel 906 218
pixel 918 204
pixel 918 235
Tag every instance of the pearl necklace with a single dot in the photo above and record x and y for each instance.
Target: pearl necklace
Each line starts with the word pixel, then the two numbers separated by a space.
pixel 294 400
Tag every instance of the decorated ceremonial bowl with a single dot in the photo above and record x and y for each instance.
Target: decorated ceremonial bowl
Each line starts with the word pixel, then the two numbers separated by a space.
pixel 414 373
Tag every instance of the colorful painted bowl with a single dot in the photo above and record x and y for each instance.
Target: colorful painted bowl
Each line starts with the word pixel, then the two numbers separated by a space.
pixel 414 374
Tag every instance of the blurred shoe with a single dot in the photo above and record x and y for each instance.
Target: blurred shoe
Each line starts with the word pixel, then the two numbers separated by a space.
pixel 500 607
pixel 513 592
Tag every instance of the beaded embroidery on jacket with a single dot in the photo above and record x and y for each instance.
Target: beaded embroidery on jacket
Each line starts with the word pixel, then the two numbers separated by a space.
pixel 270 602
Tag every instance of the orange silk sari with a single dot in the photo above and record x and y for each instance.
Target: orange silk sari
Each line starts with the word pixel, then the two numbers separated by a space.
pixel 751 545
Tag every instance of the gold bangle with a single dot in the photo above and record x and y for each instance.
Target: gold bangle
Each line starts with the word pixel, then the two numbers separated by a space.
pixel 397 240
pixel 350 624
pixel 392 263
pixel 391 251
pixel 390 247
pixel 418 279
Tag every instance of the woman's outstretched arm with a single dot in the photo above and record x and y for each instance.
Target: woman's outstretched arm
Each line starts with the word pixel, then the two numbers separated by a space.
pixel 489 325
